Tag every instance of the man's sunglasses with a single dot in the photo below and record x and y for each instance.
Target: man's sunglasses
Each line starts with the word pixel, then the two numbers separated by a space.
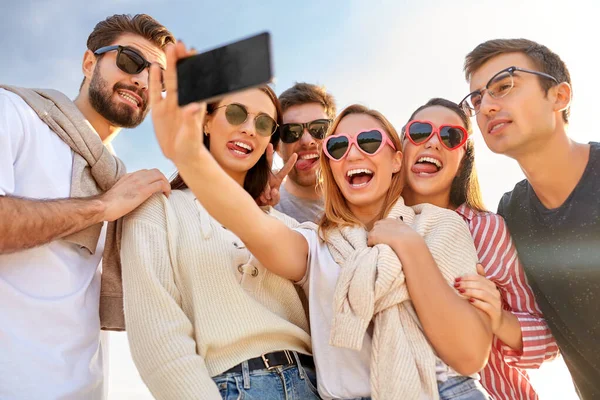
pixel 370 142
pixel 291 133
pixel 128 60
pixel 236 114
pixel 451 136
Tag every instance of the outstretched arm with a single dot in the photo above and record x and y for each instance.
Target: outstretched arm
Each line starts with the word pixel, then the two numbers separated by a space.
pixel 179 133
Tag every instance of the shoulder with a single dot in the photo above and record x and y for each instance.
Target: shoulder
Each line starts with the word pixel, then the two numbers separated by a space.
pixel 13 109
pixel 151 211
pixel 12 100
pixel 517 196
pixel 12 106
pixel 155 209
pixel 442 222
pixel 487 224
pixel 476 217
pixel 595 153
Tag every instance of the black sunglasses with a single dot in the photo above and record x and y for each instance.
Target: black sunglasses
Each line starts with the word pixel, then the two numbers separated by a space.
pixel 237 114
pixel 291 133
pixel 128 60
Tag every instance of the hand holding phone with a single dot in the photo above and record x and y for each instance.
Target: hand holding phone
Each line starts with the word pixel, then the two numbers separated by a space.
pixel 237 66
pixel 178 128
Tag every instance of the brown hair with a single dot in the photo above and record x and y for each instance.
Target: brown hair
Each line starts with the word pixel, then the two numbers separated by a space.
pixel 257 176
pixel 337 213
pixel 107 31
pixel 303 93
pixel 465 185
pixel 542 57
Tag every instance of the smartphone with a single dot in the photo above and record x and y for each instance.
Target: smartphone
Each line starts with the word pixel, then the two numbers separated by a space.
pixel 236 66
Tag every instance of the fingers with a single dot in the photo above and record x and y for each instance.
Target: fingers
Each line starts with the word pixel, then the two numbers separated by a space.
pixel 480 269
pixel 262 201
pixel 182 50
pixel 267 192
pixel 155 89
pixel 476 282
pixel 194 113
pixel 485 307
pixel 170 74
pixel 275 197
pixel 287 167
pixel 157 186
pixel 476 293
pixel 370 241
pixel 389 223
pixel 270 152
pixel 482 290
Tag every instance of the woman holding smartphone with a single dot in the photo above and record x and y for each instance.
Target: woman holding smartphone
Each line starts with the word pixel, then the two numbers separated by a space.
pixel 362 183
pixel 204 319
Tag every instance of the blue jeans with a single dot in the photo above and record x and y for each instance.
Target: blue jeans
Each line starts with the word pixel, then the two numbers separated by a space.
pixel 281 383
pixel 462 388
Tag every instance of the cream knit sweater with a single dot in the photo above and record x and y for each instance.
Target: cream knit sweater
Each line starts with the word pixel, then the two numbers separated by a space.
pixel 371 286
pixel 197 302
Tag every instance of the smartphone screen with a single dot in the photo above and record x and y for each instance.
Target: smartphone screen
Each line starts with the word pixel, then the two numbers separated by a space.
pixel 236 66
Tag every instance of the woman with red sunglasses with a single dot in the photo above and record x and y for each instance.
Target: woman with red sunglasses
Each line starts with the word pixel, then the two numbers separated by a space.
pixel 439 166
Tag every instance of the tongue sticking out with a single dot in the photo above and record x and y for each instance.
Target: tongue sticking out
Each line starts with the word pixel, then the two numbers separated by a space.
pixel 234 146
pixel 425 167
pixel 306 164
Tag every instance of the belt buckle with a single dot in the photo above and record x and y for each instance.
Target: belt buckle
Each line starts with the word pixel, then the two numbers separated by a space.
pixel 271 367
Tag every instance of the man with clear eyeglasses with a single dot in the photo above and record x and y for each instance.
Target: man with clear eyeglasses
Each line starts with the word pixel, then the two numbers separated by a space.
pixel 521 95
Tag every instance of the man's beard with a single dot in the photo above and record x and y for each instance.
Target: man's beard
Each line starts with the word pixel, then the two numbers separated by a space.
pixel 119 115
pixel 303 179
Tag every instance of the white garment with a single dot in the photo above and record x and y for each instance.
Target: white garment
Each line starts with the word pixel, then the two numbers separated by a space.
pixel 341 373
pixel 49 295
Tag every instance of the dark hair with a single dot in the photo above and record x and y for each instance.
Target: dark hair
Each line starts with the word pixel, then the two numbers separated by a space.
pixel 541 56
pixel 107 31
pixel 465 185
pixel 257 176
pixel 304 93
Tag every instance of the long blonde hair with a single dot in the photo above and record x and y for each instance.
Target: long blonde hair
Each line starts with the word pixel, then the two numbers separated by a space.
pixel 337 213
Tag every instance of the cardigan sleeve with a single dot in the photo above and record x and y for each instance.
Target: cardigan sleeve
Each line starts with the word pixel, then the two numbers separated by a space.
pixel 160 333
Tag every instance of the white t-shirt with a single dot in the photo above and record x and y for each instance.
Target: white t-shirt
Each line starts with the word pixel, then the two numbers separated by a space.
pixel 49 295
pixel 341 373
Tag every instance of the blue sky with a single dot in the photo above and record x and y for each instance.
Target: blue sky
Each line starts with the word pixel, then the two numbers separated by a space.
pixel 390 55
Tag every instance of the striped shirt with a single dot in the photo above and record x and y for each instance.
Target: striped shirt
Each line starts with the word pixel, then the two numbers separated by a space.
pixel 504 377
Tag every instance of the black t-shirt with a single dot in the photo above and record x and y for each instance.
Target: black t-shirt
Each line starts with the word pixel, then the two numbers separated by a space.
pixel 560 252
